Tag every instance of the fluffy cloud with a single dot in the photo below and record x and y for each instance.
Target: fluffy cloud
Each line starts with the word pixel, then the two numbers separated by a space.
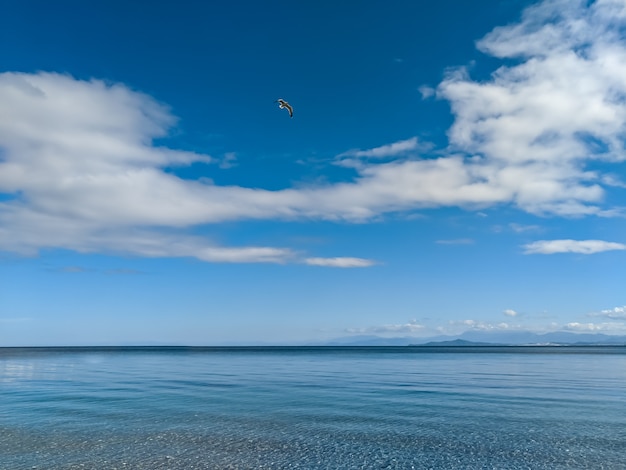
pixel 537 123
pixel 586 247
pixel 510 312
pixel 81 169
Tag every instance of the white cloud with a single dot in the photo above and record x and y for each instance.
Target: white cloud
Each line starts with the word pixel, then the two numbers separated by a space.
pixel 612 180
pixel 485 326
pixel 526 135
pixel 81 160
pixel 454 327
pixel 151 244
pixel 537 123
pixel 510 312
pixel 228 161
pixel 586 247
pixel 408 328
pixel 83 151
pixel 426 91
pixel 384 151
pixel 615 313
pixel 154 244
pixel 609 327
pixel 519 228
pixel 340 262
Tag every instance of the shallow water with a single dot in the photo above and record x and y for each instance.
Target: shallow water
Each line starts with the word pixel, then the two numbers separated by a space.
pixel 313 408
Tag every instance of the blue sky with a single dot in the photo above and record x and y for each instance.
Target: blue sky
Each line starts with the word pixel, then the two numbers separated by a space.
pixel 451 166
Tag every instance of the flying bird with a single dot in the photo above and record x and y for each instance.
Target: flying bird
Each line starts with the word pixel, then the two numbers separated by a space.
pixel 282 104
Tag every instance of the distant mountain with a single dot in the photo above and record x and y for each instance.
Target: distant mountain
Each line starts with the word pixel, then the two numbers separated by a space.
pixel 557 337
pixel 477 338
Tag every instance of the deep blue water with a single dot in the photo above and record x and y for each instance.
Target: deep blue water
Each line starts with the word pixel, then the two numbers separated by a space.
pixel 313 408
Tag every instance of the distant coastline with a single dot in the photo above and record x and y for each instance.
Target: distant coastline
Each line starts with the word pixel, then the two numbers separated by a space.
pixel 428 348
pixel 461 343
pixel 471 339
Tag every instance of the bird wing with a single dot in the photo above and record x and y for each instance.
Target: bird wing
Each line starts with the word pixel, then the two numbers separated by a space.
pixel 282 104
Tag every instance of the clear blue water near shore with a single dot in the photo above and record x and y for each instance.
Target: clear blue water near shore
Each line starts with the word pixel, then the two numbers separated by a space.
pixel 313 408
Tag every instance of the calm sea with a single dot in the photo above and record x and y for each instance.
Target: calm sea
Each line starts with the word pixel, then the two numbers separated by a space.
pixel 313 408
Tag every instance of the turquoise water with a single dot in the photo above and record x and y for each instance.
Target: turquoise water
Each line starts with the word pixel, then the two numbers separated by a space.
pixel 313 408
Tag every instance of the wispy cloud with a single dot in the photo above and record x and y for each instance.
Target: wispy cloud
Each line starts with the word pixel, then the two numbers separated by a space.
pixel 585 247
pixel 614 313
pixel 520 228
pixel 426 91
pixel 340 262
pixel 612 180
pixel 228 161
pixel 384 151
pixel 154 245
pixel 517 228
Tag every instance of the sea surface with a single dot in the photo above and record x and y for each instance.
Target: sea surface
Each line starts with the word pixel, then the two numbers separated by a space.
pixel 313 408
